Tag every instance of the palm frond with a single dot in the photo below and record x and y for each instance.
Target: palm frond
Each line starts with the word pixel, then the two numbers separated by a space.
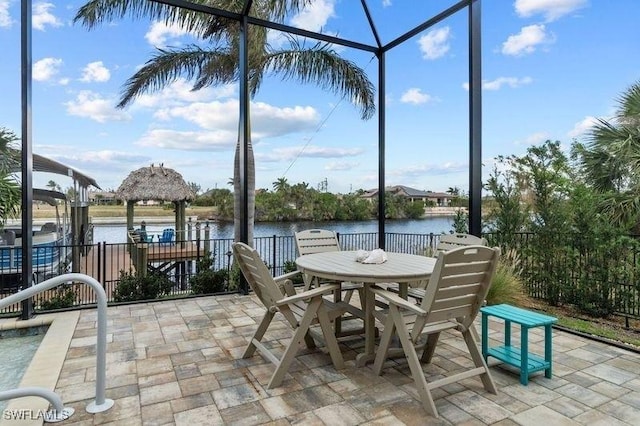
pixel 166 66
pixel 324 67
pixel 630 104
pixel 96 12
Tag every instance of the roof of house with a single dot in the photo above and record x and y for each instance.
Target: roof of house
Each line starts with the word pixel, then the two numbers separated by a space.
pixel 408 192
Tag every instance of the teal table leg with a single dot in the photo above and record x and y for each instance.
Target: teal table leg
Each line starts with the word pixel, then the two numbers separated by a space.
pixel 524 355
pixel 507 333
pixel 548 352
pixel 485 336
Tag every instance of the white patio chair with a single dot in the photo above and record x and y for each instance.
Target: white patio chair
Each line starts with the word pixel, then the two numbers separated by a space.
pixel 312 241
pixel 455 293
pixel 301 310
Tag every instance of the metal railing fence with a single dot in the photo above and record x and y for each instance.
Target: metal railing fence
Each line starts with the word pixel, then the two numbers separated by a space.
pixel 562 269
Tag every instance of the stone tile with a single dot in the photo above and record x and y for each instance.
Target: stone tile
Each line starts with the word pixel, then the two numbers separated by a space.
pixel 190 402
pixel 156 379
pixel 598 418
pixel 631 398
pixel 534 416
pixel 248 414
pixel 157 414
pixel 339 414
pixel 478 406
pixel 609 389
pixel 152 366
pixel 196 385
pixel 583 395
pixel 159 393
pixel 236 395
pixel 610 374
pixel 567 407
pixel 621 411
pixel 532 395
pixel 207 415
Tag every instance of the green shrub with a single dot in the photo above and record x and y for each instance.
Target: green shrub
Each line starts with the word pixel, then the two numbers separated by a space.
pixel 290 266
pixel 65 297
pixel 506 286
pixel 206 280
pixel 135 287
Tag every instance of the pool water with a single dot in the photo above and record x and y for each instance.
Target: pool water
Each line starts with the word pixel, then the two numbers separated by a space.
pixel 17 348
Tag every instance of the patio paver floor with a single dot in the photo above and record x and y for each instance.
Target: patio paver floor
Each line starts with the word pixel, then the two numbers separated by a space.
pixel 178 362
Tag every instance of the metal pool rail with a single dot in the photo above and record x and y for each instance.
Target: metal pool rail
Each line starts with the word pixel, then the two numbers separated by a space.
pixel 100 403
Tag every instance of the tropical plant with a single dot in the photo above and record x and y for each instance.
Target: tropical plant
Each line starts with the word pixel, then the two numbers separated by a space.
pixel 206 280
pixel 506 286
pixel 218 62
pixel 608 161
pixel 64 297
pixel 132 286
pixel 9 187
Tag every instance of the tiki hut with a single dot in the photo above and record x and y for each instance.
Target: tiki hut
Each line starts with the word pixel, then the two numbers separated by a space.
pixel 159 184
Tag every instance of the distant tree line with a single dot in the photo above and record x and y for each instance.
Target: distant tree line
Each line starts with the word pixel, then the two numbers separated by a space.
pixel 299 201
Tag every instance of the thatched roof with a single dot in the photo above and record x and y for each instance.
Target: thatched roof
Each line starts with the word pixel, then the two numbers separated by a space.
pixel 155 183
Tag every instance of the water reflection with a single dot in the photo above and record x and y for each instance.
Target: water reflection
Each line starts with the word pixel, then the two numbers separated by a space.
pixel 436 225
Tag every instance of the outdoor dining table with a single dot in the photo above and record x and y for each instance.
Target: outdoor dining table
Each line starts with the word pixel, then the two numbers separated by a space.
pixel 341 266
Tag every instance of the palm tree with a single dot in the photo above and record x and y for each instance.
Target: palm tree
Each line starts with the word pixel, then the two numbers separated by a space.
pixel 280 184
pixel 9 188
pixel 610 159
pixel 218 62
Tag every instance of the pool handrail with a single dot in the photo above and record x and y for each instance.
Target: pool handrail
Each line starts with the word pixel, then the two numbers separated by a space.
pixel 59 412
pixel 100 403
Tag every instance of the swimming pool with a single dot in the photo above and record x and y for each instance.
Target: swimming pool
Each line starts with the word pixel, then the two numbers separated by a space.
pixel 17 348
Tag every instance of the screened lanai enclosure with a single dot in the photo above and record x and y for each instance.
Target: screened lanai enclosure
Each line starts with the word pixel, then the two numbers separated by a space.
pixel 248 14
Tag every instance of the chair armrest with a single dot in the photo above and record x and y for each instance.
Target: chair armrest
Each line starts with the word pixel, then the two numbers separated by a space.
pixel 398 301
pixel 318 291
pixel 286 276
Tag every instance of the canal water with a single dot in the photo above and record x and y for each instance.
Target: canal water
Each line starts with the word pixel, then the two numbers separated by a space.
pixel 218 230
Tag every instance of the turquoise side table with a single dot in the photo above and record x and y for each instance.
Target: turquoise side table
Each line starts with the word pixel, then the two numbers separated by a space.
pixel 518 357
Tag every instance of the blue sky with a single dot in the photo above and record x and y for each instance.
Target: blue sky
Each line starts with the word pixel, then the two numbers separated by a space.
pixel 549 68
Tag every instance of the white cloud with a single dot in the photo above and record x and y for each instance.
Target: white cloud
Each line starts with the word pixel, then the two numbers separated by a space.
pixel 91 105
pixel 533 139
pixel 102 158
pixel 46 68
pixel 95 71
pixel 213 140
pixel 179 92
pixel 159 33
pixel 266 120
pixel 63 81
pixel 429 169
pixel 550 9
pixel 582 127
pixel 513 82
pixel 386 3
pixel 5 18
pixel 435 43
pixel 526 41
pixel 415 96
pixel 42 16
pixel 308 151
pixel 336 166
pixel 314 16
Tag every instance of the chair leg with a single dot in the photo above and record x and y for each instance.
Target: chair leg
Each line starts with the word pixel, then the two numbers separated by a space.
pixel 414 364
pixel 330 338
pixel 385 342
pixel 430 348
pixel 294 345
pixel 479 361
pixel 257 336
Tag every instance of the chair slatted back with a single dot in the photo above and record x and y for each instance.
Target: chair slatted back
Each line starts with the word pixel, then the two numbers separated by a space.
pixel 459 285
pixel 453 241
pixel 257 275
pixel 312 241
